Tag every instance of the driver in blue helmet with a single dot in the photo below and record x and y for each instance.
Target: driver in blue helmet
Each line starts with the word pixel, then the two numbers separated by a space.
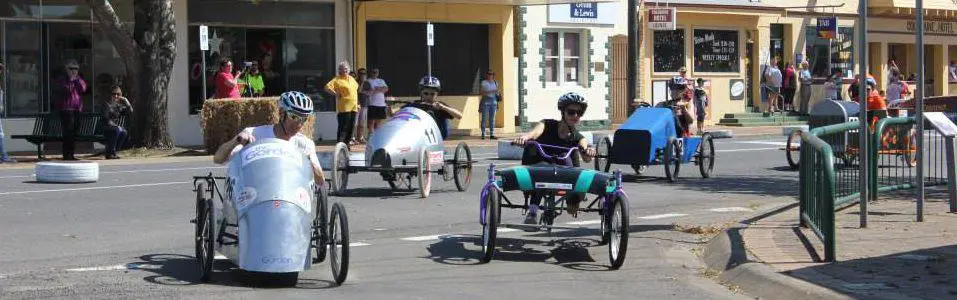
pixel 294 110
pixel 441 112
pixel 562 133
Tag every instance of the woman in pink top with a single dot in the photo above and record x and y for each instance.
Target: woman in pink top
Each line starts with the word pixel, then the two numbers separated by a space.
pixel 226 85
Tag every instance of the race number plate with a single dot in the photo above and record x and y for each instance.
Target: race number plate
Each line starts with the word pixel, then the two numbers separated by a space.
pixel 552 185
pixel 436 157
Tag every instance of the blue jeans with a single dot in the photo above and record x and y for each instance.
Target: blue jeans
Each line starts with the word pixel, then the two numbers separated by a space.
pixel 488 109
pixel 115 137
pixel 3 152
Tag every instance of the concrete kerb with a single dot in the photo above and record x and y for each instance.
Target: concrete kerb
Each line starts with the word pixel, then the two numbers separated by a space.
pixel 727 254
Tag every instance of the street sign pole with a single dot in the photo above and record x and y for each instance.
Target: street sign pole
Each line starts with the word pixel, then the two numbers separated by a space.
pixel 920 110
pixel 203 47
pixel 862 116
pixel 429 41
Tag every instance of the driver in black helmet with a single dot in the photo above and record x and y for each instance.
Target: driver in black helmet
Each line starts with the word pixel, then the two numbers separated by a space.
pixel 441 112
pixel 561 133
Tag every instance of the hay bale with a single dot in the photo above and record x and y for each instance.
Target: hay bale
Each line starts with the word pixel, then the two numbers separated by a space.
pixel 222 119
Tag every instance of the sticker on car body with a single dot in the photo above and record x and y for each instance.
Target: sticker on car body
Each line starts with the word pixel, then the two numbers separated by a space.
pixel 553 185
pixel 436 157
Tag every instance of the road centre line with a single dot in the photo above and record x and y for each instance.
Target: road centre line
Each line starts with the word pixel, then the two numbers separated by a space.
pixel 662 216
pixel 95 188
pixel 745 150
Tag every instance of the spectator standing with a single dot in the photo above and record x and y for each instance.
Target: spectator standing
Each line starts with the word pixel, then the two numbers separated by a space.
pixel 953 71
pixel 806 81
pixel 789 86
pixel 226 84
pixel 700 103
pixel 346 90
pixel 488 105
pixel 376 112
pixel 255 86
pixel 69 103
pixel 4 157
pixel 116 135
pixel 772 77
pixel 358 135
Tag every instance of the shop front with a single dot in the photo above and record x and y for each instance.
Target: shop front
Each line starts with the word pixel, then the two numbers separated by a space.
pixel 892 42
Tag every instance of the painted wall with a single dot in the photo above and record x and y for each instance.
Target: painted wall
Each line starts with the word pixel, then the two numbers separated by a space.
pixel 501 44
pixel 541 97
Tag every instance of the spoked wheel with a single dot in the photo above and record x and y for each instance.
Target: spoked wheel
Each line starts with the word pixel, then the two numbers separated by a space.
pixel 605 232
pixel 793 149
pixel 603 157
pixel 340 168
pixel 462 166
pixel 672 161
pixel 339 243
pixel 402 181
pixel 319 233
pixel 618 230
pixel 424 172
pixel 706 155
pixel 204 234
pixel 490 218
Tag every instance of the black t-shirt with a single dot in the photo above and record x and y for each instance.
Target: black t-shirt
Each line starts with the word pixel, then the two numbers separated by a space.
pixel 441 117
pixel 551 136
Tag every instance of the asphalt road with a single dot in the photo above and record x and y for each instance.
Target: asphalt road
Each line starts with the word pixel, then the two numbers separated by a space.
pixel 129 236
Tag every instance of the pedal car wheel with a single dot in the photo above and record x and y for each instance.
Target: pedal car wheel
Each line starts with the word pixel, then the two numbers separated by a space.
pixel 603 157
pixel 672 161
pixel 462 166
pixel 605 233
pixel 618 230
pixel 204 234
pixel 793 149
pixel 319 234
pixel 639 169
pixel 424 173
pixel 706 155
pixel 490 221
pixel 340 168
pixel 339 243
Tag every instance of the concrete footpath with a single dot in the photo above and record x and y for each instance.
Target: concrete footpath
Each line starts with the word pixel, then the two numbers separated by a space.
pixel 895 257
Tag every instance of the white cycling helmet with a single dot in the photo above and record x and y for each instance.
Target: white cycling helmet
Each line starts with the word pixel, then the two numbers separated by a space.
pixel 295 102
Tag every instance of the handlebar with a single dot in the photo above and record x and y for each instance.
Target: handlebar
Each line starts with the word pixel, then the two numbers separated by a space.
pixel 541 150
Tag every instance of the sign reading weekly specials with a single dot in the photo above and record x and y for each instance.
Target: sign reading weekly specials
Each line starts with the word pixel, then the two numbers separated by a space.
pixel 662 18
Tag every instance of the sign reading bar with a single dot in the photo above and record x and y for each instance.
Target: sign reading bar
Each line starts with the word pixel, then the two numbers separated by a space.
pixel 584 10
pixel 662 18
pixel 827 28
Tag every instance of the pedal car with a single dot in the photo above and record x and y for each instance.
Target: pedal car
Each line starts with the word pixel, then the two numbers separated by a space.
pixel 649 137
pixel 409 145
pixel 271 217
pixel 555 182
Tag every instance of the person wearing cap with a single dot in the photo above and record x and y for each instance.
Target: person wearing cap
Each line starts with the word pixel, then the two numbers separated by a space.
pixel 4 157
pixel 68 101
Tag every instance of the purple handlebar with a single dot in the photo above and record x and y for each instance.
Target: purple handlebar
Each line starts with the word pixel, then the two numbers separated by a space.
pixel 541 151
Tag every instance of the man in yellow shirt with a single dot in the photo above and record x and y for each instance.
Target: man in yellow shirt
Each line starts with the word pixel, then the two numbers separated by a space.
pixel 346 90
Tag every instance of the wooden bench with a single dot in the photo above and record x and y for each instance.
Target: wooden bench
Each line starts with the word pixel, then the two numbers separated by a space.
pixel 48 128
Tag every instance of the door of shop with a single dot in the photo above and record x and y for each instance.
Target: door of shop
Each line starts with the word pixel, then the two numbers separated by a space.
pixel 619 79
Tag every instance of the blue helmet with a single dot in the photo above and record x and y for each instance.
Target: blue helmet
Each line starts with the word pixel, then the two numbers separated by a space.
pixel 295 102
pixel 430 82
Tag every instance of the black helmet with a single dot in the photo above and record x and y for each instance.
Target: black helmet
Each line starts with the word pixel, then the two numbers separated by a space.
pixel 572 98
pixel 430 82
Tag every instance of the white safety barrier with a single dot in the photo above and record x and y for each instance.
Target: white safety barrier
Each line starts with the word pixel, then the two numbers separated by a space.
pixel 67 172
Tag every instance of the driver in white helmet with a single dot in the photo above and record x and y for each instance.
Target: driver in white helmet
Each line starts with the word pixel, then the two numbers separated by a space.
pixel 294 110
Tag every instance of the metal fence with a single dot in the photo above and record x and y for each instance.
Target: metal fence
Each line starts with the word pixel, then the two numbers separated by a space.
pixel 817 190
pixel 894 166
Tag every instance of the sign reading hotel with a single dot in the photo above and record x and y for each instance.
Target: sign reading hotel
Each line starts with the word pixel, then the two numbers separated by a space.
pixel 935 27
pixel 827 28
pixel 662 18
pixel 603 13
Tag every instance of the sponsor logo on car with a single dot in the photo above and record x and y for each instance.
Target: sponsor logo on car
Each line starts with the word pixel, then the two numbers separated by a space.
pixel 436 157
pixel 270 260
pixel 552 185
pixel 405 116
pixel 245 197
pixel 261 151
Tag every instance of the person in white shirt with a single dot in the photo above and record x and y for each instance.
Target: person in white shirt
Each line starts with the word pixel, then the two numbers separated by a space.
pixel 377 106
pixel 488 105
pixel 773 79
pixel 953 71
pixel 294 110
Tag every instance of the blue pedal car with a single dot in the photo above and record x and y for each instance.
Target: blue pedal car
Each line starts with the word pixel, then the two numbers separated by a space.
pixel 649 137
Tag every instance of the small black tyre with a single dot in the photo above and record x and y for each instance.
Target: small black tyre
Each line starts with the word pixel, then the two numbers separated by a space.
pixel 672 162
pixel 319 233
pixel 462 166
pixel 618 231
pixel 792 149
pixel 603 157
pixel 339 243
pixel 205 253
pixel 490 228
pixel 340 168
pixel 706 155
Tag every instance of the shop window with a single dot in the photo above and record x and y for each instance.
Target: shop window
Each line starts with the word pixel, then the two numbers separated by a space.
pixel 669 50
pixel 716 51
pixel 271 13
pixel 841 52
pixel 563 57
pixel 22 80
pixel 459 58
pixel 20 8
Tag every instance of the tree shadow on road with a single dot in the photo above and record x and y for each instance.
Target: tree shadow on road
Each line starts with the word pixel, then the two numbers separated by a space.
pixel 773 186
pixel 177 269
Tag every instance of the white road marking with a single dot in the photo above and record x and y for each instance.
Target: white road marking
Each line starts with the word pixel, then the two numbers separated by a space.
pixel 426 237
pixel 117 267
pixel 588 222
pixel 765 143
pixel 359 244
pixel 730 209
pixel 95 188
pixel 662 216
pixel 500 230
pixel 745 150
pixel 126 171
pixel 220 256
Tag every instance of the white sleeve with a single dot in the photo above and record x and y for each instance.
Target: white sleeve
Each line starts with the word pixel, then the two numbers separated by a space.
pixel 247 130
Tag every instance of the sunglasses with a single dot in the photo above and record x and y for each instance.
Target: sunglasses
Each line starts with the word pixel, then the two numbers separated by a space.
pixel 72 68
pixel 574 112
pixel 297 118
pixel 429 93
pixel 117 94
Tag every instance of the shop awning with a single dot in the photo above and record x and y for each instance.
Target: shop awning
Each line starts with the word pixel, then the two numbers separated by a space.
pixel 498 2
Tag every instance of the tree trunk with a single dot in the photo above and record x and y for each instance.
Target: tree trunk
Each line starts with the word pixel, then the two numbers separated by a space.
pixel 148 52
pixel 155 36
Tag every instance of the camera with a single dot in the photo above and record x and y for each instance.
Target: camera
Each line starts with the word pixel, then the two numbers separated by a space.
pixel 248 64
